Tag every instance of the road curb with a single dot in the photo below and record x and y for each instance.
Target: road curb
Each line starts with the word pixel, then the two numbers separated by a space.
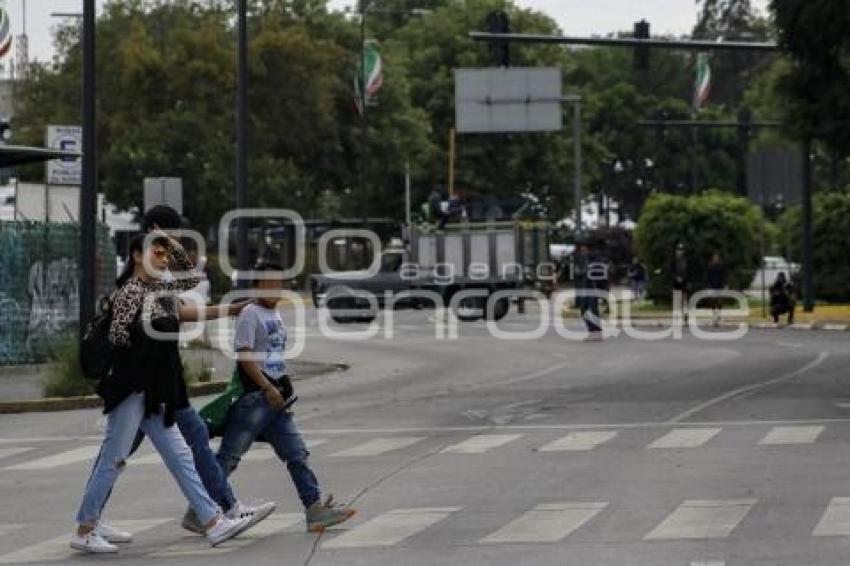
pixel 55 404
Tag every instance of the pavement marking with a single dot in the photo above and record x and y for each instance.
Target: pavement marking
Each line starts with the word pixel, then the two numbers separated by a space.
pixel 391 527
pixel 260 454
pixel 9 452
pixel 750 388
pixel 685 438
pixel 74 456
pixel 56 549
pixel 6 529
pixel 702 519
pixel 792 435
pixel 835 520
pixel 198 546
pixel 578 441
pixel 379 446
pixel 548 522
pixel 480 444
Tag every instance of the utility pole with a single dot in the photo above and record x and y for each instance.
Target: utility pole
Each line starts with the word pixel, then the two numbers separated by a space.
pixel 242 137
pixel 88 191
pixel 808 243
pixel 577 160
pixel 364 100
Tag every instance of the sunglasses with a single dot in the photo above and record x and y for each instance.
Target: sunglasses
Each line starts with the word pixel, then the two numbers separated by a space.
pixel 160 253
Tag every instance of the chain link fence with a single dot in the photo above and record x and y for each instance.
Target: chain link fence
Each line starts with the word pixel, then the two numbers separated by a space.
pixel 39 286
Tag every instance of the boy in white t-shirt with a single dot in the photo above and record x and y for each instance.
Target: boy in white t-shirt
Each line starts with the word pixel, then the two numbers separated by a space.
pixel 263 409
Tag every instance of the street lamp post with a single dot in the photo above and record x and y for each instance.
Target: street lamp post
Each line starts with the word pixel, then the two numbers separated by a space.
pixel 241 136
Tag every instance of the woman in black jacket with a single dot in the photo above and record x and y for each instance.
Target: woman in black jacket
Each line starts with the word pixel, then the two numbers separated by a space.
pixel 146 385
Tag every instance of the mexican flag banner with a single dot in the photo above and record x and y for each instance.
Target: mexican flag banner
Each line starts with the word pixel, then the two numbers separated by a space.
pixel 702 86
pixel 371 72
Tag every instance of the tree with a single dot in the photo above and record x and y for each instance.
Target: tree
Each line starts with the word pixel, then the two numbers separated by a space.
pixel 815 86
pixel 713 222
pixel 732 20
pixel 831 235
pixel 166 99
pixel 498 165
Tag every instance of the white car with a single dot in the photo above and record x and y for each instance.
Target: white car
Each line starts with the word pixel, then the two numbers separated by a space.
pixel 771 267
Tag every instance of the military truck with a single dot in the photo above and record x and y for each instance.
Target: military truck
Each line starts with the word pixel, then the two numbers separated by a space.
pixel 488 258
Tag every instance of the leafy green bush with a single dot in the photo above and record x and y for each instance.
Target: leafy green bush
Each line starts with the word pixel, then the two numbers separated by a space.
pixel 712 222
pixel 64 377
pixel 831 238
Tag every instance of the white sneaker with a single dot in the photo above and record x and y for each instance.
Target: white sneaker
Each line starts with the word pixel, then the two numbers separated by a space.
pixel 255 514
pixel 92 543
pixel 111 534
pixel 226 529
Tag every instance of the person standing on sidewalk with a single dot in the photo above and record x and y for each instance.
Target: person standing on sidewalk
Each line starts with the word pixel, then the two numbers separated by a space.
pixel 680 278
pixel 637 278
pixel 263 410
pixel 716 284
pixel 146 387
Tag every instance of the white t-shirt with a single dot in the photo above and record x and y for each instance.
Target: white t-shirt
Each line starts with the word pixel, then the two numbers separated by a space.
pixel 261 330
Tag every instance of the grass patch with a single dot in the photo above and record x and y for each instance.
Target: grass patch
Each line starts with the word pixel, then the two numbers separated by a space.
pixel 65 377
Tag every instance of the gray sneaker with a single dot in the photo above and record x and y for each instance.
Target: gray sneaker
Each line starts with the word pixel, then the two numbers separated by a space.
pixel 191 522
pixel 323 515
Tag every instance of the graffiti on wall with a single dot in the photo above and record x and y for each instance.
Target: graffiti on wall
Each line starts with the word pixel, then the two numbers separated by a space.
pixel 54 299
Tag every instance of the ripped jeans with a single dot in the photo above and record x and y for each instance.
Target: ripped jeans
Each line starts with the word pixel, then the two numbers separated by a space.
pixel 123 423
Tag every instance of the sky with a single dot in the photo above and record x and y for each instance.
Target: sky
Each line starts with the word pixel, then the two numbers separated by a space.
pixel 575 17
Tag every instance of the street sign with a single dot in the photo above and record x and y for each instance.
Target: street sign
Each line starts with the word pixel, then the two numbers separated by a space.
pixel 68 170
pixel 775 177
pixel 500 100
pixel 164 190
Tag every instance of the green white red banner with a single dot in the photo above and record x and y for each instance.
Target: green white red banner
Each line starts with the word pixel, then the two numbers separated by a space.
pixel 702 85
pixel 371 72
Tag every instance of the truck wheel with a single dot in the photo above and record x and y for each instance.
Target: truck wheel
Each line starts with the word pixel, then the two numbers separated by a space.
pixel 500 309
pixel 470 309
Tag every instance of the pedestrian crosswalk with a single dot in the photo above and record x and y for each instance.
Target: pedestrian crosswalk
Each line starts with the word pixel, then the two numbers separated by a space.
pixel 350 446
pixel 548 522
pixel 703 519
pixel 542 523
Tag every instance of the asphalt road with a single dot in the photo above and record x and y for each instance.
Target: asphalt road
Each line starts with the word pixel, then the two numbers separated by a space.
pixel 481 450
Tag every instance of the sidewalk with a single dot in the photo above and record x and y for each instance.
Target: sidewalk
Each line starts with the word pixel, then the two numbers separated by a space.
pixel 827 317
pixel 24 383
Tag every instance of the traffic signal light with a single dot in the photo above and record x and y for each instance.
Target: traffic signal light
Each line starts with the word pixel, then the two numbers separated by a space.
pixel 641 51
pixel 500 51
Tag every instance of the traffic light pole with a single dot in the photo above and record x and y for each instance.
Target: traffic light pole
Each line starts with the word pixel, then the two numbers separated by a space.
pixel 88 191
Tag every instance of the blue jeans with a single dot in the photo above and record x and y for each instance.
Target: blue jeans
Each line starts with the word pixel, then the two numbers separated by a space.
pixel 589 308
pixel 123 424
pixel 250 417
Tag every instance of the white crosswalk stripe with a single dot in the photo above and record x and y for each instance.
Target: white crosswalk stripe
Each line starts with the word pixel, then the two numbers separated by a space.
pixel 9 452
pixel 480 444
pixel 579 441
pixel 391 528
pixel 548 522
pixel 379 446
pixel 198 546
pixel 792 435
pixel 703 519
pixel 685 438
pixel 56 549
pixel 261 453
pixel 74 456
pixel 835 520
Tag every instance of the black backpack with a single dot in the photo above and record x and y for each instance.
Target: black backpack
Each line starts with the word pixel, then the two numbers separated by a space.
pixel 96 352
